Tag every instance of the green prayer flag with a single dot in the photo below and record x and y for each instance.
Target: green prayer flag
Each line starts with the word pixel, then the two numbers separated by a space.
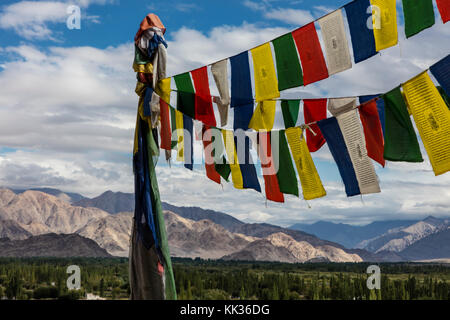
pixel 139 57
pixel 173 124
pixel 223 169
pixel 400 140
pixel 170 288
pixel 287 179
pixel 288 63
pixel 290 110
pixel 419 15
pixel 444 96
pixel 186 94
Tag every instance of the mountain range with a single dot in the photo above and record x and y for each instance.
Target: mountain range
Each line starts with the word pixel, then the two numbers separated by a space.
pixel 196 232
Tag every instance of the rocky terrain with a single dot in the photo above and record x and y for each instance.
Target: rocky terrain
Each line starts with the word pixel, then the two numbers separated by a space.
pixel 196 232
pixel 52 245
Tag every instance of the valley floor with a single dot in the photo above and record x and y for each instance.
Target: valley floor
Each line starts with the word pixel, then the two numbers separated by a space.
pixel 45 278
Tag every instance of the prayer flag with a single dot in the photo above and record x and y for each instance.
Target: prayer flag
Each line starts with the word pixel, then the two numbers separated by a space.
pixel 400 140
pixel 419 15
pixel 290 109
pixel 432 119
pixel 286 174
pixel 380 106
pixel 337 106
pixel 359 18
pixel 384 14
pixel 288 63
pixel 203 101
pixel 356 146
pixel 314 110
pixel 309 178
pixel 173 125
pixel 441 71
pixel 236 175
pixel 163 90
pixel 264 116
pixel 311 55
pixel 266 83
pixel 272 187
pixel 211 172
pixel 180 136
pixel 220 74
pixel 248 170
pixel 373 133
pixel 444 9
pixel 188 124
pixel 335 140
pixel 335 40
pixel 186 94
pixel 242 116
pixel 241 86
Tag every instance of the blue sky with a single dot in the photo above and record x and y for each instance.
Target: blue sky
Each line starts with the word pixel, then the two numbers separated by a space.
pixel 67 102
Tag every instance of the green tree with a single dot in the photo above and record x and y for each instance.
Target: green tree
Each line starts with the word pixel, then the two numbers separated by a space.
pixel 13 286
pixel 102 287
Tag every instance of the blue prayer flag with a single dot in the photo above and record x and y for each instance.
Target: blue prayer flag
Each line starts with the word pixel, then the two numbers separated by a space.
pixel 248 170
pixel 332 132
pixel 363 40
pixel 188 144
pixel 441 71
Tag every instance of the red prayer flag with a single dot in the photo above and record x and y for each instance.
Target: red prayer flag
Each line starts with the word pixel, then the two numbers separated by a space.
pixel 311 55
pixel 203 102
pixel 272 186
pixel 211 172
pixel 166 133
pixel 314 110
pixel 373 132
pixel 444 9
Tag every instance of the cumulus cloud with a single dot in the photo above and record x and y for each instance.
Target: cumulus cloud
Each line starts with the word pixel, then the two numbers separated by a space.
pixel 31 19
pixel 290 16
pixel 400 199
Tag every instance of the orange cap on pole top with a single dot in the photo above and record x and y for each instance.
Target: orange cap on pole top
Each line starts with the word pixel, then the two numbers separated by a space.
pixel 150 21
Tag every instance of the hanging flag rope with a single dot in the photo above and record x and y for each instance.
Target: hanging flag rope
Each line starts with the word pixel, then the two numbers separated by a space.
pixel 350 143
pixel 372 25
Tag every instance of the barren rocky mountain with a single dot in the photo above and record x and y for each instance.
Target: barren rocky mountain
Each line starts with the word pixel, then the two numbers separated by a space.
pixel 112 202
pixel 37 213
pixel 204 238
pixel 52 245
pixel 435 246
pixel 40 213
pixel 195 232
pixel 398 239
pixel 111 232
pixel 282 247
pixel 12 230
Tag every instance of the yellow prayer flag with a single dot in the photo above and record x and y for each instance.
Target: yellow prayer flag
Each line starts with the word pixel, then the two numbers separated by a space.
pixel 136 145
pixel 309 178
pixel 384 16
pixel 266 83
pixel 432 119
pixel 143 68
pixel 163 89
pixel 264 116
pixel 236 174
pixel 180 135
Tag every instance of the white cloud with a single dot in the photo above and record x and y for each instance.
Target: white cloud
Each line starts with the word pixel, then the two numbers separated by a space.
pixel 31 19
pixel 291 16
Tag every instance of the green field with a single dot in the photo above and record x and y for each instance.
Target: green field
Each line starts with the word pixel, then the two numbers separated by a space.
pixel 45 278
